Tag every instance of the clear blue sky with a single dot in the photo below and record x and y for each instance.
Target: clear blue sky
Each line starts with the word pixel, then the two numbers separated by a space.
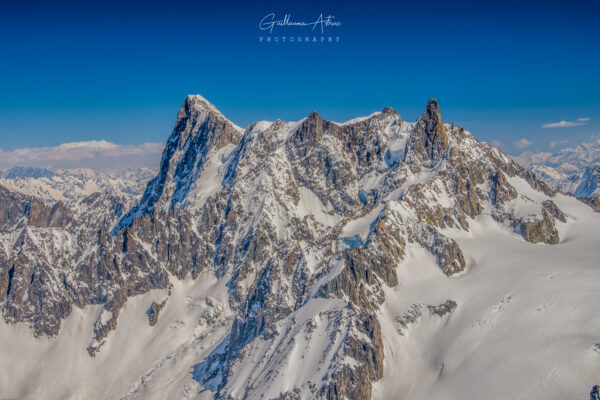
pixel 73 71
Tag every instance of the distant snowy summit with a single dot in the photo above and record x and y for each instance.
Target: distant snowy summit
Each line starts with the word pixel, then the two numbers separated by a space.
pixel 571 170
pixel 72 185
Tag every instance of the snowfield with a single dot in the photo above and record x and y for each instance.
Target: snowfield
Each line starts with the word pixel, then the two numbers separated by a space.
pixel 526 325
pixel 137 362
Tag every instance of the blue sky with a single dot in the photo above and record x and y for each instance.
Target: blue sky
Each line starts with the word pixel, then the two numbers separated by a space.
pixel 104 71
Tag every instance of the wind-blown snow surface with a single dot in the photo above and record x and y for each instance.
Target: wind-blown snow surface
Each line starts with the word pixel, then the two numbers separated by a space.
pixel 138 361
pixel 526 324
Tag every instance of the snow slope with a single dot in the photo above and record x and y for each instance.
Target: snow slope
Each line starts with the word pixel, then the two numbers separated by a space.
pixel 526 324
pixel 61 368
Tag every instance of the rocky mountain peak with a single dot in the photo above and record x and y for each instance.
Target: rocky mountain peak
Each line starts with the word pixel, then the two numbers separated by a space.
pixel 390 111
pixel 429 140
pixel 200 128
pixel 310 131
pixel 433 108
pixel 195 104
pixel 197 113
pixel 433 123
pixel 315 121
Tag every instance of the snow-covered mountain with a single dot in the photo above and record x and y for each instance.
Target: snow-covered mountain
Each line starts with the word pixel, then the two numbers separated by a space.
pixel 72 185
pixel 571 170
pixel 375 258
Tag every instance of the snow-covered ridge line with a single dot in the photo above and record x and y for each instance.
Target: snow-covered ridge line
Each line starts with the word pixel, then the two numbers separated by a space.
pixel 358 119
pixel 327 245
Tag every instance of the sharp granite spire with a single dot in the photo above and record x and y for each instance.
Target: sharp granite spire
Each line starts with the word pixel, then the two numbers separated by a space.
pixel 429 140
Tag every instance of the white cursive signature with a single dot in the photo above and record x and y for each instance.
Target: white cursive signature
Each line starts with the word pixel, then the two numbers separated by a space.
pixel 269 22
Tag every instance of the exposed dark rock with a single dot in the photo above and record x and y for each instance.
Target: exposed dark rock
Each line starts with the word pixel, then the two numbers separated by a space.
pixel 593 202
pixel 443 309
pixel 199 128
pixel 348 383
pixel 540 230
pixel 14 208
pixel 153 312
pixel 40 215
pixel 538 184
pixel 554 211
pixel 502 191
pixel 429 140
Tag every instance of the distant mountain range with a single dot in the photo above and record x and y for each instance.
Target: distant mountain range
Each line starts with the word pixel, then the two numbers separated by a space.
pixel 571 170
pixel 72 185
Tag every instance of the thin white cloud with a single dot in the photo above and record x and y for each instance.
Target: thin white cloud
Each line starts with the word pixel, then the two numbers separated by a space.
pixel 496 143
pixel 555 143
pixel 567 124
pixel 95 154
pixel 521 144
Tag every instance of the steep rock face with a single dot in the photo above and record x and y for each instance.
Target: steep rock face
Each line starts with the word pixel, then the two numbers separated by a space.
pixel 501 191
pixel 553 210
pixel 50 258
pixel 41 216
pixel 429 140
pixel 14 207
pixel 342 153
pixel 305 221
pixel 200 128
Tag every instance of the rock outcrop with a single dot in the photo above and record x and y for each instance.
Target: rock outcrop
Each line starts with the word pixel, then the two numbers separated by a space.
pixel 429 140
pixel 593 202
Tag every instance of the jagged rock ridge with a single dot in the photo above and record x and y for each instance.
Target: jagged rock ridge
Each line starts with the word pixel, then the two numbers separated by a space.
pixel 306 222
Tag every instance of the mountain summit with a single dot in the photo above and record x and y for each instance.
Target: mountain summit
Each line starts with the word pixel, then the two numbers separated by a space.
pixel 200 129
pixel 429 140
pixel 375 258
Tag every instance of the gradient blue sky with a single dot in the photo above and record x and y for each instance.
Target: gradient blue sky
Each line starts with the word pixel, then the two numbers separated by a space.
pixel 73 71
